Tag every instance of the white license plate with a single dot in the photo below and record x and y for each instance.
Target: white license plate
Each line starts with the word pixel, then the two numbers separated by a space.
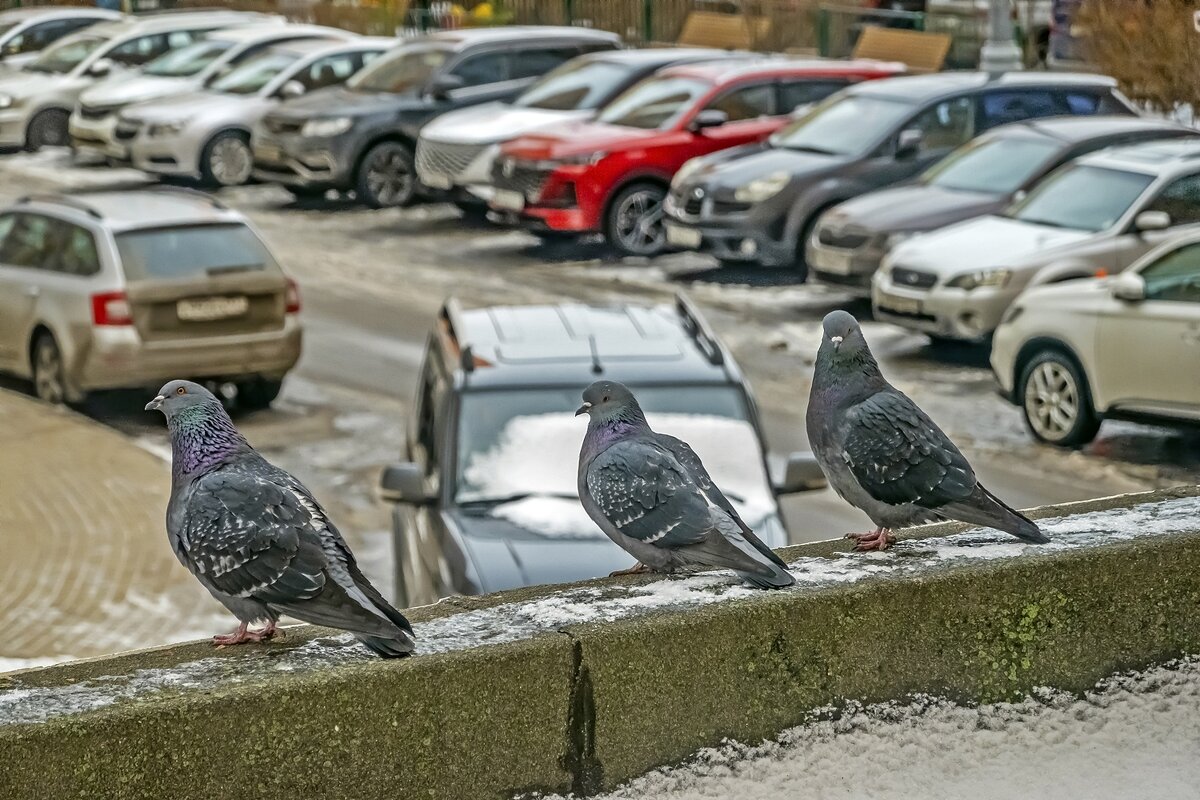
pixel 682 237
pixel 268 152
pixel 901 305
pixel 508 200
pixel 835 261
pixel 211 308
pixel 437 181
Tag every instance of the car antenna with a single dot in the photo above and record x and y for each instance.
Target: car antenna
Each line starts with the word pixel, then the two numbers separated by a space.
pixel 597 367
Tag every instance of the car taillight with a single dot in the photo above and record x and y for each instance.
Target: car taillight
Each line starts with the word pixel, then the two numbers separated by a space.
pixel 292 298
pixel 111 308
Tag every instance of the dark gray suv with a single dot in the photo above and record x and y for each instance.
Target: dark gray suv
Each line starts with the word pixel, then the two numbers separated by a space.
pixel 758 204
pixel 361 137
pixel 486 499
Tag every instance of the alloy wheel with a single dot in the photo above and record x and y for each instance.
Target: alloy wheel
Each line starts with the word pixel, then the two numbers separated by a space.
pixel 1052 400
pixel 639 222
pixel 231 161
pixel 48 380
pixel 389 179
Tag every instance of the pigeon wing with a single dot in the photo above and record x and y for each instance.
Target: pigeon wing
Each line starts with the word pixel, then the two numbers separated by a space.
pixel 898 455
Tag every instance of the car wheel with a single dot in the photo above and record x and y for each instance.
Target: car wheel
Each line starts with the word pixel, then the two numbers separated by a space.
pixel 227 160
pixel 48 129
pixel 1056 402
pixel 634 222
pixel 49 371
pixel 257 394
pixel 385 177
pixel 473 210
pixel 800 262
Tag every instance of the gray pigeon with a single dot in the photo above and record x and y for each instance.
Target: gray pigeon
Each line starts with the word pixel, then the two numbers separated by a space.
pixel 651 495
pixel 255 537
pixel 883 455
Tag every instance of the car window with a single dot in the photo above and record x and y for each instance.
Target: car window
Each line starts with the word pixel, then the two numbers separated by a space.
pixel 74 249
pixel 38 36
pixel 187 60
pixel 143 49
pixel 1000 108
pixel 1176 276
pixel 192 251
pixel 255 73
pixel 27 242
pixel 328 71
pixel 1180 199
pixel 945 126
pixel 995 165
pixel 843 125
pixel 64 56
pixel 654 102
pixel 577 84
pixel 746 102
pixel 401 70
pixel 1082 197
pixel 484 68
pixel 1081 102
pixel 536 63
pixel 793 94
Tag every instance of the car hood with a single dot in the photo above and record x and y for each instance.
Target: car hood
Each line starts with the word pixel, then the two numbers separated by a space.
pixel 125 90
pixel 985 243
pixel 580 137
pixel 496 122
pixel 340 101
pixel 914 208
pixel 729 171
pixel 189 105
pixel 31 84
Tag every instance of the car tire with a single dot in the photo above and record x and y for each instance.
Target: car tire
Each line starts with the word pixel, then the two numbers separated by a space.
pixel 48 370
pixel 48 128
pixel 386 177
pixel 800 262
pixel 633 222
pixel 258 393
pixel 227 160
pixel 1055 400
pixel 473 210
pixel 551 236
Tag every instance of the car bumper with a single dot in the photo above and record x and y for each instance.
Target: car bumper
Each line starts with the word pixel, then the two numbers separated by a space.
pixel 477 173
pixel 96 137
pixel 300 162
pixel 847 269
pixel 116 357
pixel 165 155
pixel 946 312
pixel 729 241
pixel 13 123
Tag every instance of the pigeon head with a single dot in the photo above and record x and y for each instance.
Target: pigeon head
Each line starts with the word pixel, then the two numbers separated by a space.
pixel 842 338
pixel 202 434
pixel 179 396
pixel 610 402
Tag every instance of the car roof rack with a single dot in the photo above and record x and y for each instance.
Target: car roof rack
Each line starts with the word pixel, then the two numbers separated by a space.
pixel 695 326
pixel 61 200
pixel 189 192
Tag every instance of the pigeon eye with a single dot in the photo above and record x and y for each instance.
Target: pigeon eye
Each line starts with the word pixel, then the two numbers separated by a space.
pixel 605 399
pixel 181 390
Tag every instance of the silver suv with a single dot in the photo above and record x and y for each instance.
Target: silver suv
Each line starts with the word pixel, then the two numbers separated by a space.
pixel 130 289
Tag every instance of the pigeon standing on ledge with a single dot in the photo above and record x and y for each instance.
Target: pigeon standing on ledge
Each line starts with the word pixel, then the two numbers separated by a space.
pixel 883 455
pixel 255 537
pixel 651 495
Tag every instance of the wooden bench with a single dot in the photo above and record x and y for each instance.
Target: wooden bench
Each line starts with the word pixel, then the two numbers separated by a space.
pixel 920 51
pixel 724 31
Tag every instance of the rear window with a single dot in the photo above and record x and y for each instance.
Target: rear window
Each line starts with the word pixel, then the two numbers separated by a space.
pixel 192 252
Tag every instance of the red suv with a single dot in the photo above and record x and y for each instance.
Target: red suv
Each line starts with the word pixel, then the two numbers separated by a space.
pixel 610 174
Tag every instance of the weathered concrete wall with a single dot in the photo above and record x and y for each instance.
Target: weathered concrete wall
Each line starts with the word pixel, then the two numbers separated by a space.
pixel 583 687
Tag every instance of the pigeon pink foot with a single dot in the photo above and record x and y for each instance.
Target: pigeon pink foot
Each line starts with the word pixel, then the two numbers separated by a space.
pixel 636 569
pixel 878 539
pixel 244 635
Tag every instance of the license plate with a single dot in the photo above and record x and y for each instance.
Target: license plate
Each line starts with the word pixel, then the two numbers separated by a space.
pixel 834 261
pixel 268 152
pixel 211 308
pixel 437 181
pixel 508 200
pixel 682 237
pixel 901 305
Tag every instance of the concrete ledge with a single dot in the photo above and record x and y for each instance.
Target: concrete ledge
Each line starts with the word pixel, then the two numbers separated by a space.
pixel 582 687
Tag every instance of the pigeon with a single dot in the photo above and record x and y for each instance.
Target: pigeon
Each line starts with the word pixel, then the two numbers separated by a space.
pixel 256 539
pixel 652 496
pixel 883 455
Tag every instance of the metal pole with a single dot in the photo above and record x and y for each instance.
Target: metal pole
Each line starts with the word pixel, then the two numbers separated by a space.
pixel 1000 53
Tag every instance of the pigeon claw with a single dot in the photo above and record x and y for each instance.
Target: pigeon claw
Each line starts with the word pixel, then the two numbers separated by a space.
pixel 878 539
pixel 244 635
pixel 636 569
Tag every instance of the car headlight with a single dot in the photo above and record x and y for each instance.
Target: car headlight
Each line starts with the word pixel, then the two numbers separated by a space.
pixel 689 168
pixel 580 159
pixel 760 189
pixel 170 127
pixel 6 100
pixel 324 128
pixel 984 277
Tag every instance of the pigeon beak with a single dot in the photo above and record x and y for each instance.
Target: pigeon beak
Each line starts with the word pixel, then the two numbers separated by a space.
pixel 583 409
pixel 837 341
pixel 155 404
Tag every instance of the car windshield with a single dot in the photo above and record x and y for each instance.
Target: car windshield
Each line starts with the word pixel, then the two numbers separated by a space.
pixel 192 251
pixel 1081 197
pixel 400 71
pixel 992 166
pixel 575 85
pixel 66 55
pixel 845 125
pixel 654 103
pixel 188 60
pixel 517 444
pixel 5 27
pixel 251 76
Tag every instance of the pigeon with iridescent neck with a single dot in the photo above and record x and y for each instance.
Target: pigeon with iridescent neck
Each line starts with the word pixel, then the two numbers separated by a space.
pixel 651 495
pixel 256 538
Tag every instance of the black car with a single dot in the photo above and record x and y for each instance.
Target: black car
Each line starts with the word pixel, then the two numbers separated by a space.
pixel 982 177
pixel 758 204
pixel 361 136
pixel 486 498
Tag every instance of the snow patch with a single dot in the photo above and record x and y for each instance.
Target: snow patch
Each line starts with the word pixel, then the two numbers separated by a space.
pixel 557 517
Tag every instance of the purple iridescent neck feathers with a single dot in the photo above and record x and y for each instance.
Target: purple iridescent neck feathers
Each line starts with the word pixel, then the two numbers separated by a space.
pixel 203 437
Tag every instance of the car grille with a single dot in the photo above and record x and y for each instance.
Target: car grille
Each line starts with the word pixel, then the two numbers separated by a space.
pixel 284 126
pixel 845 238
pixel 94 112
pixel 517 177
pixel 126 130
pixel 445 158
pixel 912 278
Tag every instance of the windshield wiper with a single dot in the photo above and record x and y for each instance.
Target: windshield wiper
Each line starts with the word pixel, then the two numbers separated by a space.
pixel 807 148
pixel 512 498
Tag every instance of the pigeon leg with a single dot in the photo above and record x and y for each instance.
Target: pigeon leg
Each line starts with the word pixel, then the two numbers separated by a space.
pixel 243 635
pixel 636 569
pixel 878 539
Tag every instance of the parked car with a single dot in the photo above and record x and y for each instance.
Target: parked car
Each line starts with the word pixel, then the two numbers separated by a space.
pixel 130 289
pixel 36 101
pixel 362 137
pixel 456 150
pixel 610 175
pixel 486 497
pixel 26 31
pixel 178 72
pixel 209 134
pixel 1125 347
pixel 1095 215
pixel 983 176
pixel 760 204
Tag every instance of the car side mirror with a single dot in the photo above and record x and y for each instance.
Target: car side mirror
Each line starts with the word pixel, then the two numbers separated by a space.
pixel 1151 221
pixel 442 85
pixel 404 483
pixel 801 473
pixel 908 143
pixel 708 118
pixel 1128 286
pixel 292 89
pixel 101 67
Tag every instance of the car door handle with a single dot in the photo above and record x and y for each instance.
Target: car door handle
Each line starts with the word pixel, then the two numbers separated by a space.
pixel 32 291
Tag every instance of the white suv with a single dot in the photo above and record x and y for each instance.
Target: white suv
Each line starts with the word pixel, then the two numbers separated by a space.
pixel 1126 347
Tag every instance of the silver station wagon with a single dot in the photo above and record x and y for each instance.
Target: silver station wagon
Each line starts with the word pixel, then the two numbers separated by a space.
pixel 130 289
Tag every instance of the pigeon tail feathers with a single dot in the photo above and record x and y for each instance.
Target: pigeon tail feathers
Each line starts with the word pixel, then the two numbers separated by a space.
pixel 984 508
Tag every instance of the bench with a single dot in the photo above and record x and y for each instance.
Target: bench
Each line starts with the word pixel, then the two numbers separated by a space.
pixel 724 31
pixel 920 51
